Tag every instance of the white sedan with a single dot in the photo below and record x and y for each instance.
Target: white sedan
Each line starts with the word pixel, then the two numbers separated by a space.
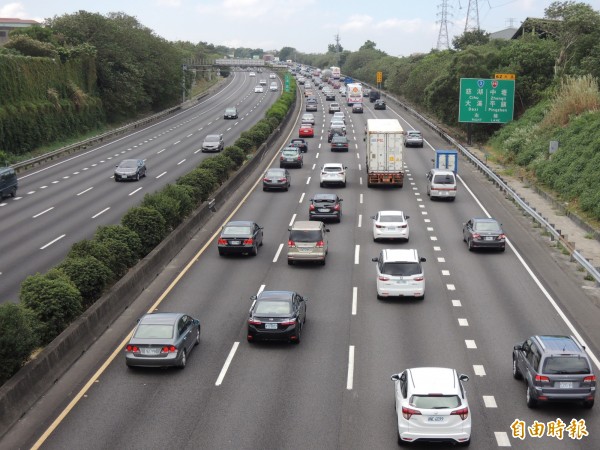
pixel 258 89
pixel 333 173
pixel 390 225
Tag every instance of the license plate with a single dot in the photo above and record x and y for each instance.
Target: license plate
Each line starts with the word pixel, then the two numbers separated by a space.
pixel 391 228
pixel 150 351
pixel 435 419
pixel 323 210
pixel 235 242
pixel 304 249
pixel 400 281
pixel 489 238
pixel 270 326
pixel 565 385
pixel 123 176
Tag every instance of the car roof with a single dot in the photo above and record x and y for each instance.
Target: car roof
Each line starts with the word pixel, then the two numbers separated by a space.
pixel 275 295
pixel 428 380
pixel 558 344
pixel 160 318
pixel 325 196
pixel 333 165
pixel 484 219
pixel 391 213
pixel 307 225
pixel 400 255
pixel 442 172
pixel 130 161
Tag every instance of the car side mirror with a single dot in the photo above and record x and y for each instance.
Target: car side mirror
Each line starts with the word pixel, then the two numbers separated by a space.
pixel 373 217
pixel 327 230
pixel 345 167
pixel 196 322
pixel 304 299
pixel 463 377
pixel 341 200
pixel 518 347
pixel 395 377
pixel 407 217
pixel 117 165
pixel 374 259
pixel 422 259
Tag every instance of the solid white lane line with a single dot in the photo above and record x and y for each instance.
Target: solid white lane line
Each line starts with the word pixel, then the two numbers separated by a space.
pixel 463 322
pixel 301 198
pixel 52 242
pixel 158 176
pixel 83 192
pixel 470 343
pixel 138 189
pixel 489 401
pixel 101 212
pixel 350 379
pixel 227 363
pixel 356 253
pixel 354 300
pixel 359 220
pixel 479 370
pixel 502 439
pixel 43 212
pixel 278 252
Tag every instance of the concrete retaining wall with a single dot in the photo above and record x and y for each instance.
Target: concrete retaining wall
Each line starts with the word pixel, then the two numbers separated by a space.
pixel 23 390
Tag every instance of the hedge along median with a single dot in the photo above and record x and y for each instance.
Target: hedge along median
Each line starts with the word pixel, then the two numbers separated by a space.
pixel 54 298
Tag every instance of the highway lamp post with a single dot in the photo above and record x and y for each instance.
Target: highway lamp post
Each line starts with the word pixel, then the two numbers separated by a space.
pixel 183 69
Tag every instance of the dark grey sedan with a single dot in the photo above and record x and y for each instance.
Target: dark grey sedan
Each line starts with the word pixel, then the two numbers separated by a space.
pixel 483 232
pixel 240 237
pixel 213 143
pixel 162 339
pixel 277 315
pixel 130 169
pixel 277 179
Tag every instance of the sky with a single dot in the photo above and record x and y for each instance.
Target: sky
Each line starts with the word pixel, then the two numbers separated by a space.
pixel 398 27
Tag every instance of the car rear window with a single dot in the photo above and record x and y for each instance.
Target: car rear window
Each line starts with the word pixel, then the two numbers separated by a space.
pixel 566 365
pixel 414 135
pixel 128 164
pixel 332 169
pixel 486 226
pixel 305 235
pixel 435 401
pixel 154 331
pixel 236 230
pixel 443 179
pixel 403 269
pixel 391 218
pixel 276 173
pixel 289 153
pixel 273 308
pixel 213 138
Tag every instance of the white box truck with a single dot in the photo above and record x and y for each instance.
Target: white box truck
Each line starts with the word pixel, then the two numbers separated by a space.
pixel 354 93
pixel 385 141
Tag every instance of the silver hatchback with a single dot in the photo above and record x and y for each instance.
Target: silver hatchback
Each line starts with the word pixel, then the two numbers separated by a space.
pixel 307 242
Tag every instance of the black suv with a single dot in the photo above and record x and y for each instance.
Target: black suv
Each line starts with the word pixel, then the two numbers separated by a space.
pixel 555 368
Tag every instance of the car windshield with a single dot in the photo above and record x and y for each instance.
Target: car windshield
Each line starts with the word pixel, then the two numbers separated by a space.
pixel 305 235
pixel 154 331
pixel 236 230
pixel 566 365
pixel 212 138
pixel 404 269
pixel 273 308
pixel 444 179
pixel 391 218
pixel 435 401
pixel 128 164
pixel 486 226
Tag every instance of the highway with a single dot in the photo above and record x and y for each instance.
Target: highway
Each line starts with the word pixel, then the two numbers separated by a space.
pixel 333 391
pixel 64 202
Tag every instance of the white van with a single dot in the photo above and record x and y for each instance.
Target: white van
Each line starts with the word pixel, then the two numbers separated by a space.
pixel 441 183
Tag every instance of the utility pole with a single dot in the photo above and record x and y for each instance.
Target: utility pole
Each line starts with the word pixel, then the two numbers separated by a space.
pixel 472 22
pixel 337 49
pixel 442 42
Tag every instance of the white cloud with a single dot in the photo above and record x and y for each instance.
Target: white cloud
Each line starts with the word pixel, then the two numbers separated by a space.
pixel 13 11
pixel 169 3
pixel 403 25
pixel 357 22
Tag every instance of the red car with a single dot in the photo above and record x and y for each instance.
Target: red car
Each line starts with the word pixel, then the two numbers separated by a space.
pixel 306 131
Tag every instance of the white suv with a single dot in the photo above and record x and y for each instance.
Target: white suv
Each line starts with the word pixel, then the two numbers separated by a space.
pixel 400 274
pixel 431 404
pixel 333 173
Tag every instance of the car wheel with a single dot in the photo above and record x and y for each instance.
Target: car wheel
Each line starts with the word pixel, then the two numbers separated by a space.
pixel 290 262
pixel 401 443
pixel 531 402
pixel 221 252
pixel 264 189
pixel 321 185
pixel 116 180
pixel 344 184
pixel 324 261
pixel 422 297
pixel 250 340
pixel 287 188
pixel 516 372
pixel 183 360
pixel 466 443
pixel 197 337
pixel 137 176
pixel 589 404
pixel 298 336
pixel 502 249
pixel 254 251
pixel 470 245
pixel 379 297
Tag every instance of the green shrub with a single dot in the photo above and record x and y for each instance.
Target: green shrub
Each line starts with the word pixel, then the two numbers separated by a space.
pixel 202 180
pixel 219 165
pixel 126 237
pixel 236 154
pixel 183 195
pixel 89 275
pixel 54 300
pixel 92 247
pixel 149 225
pixel 277 111
pixel 273 122
pixel 246 144
pixel 17 339
pixel 168 207
pixel 253 136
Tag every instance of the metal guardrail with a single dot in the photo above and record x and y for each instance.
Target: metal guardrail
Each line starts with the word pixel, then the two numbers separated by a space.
pixel 575 255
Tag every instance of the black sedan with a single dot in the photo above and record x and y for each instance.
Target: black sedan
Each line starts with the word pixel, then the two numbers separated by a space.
pixel 130 169
pixel 357 108
pixel 240 237
pixel 379 104
pixel 162 339
pixel 339 144
pixel 300 143
pixel 483 232
pixel 324 207
pixel 277 316
pixel 277 179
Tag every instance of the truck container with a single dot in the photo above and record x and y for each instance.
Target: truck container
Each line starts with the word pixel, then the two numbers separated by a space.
pixel 385 141
pixel 446 159
pixel 354 93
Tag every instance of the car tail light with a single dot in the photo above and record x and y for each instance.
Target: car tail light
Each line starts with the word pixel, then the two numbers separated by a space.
pixel 501 236
pixel 409 412
pixel 222 241
pixel 542 379
pixel 476 235
pixel 311 207
pixel 132 348
pixel 379 226
pixel 403 226
pixel 281 179
pixel 254 322
pixel 288 322
pixel 291 243
pixel 299 157
pixel 266 179
pixel 463 413
pixel 248 242
pixel 336 207
pixel 168 349
pixel 281 158
pixel 419 278
pixel 589 379
pixel 320 244
pixel 382 278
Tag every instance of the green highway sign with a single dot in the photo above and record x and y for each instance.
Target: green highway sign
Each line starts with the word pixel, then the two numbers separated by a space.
pixel 287 82
pixel 486 100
